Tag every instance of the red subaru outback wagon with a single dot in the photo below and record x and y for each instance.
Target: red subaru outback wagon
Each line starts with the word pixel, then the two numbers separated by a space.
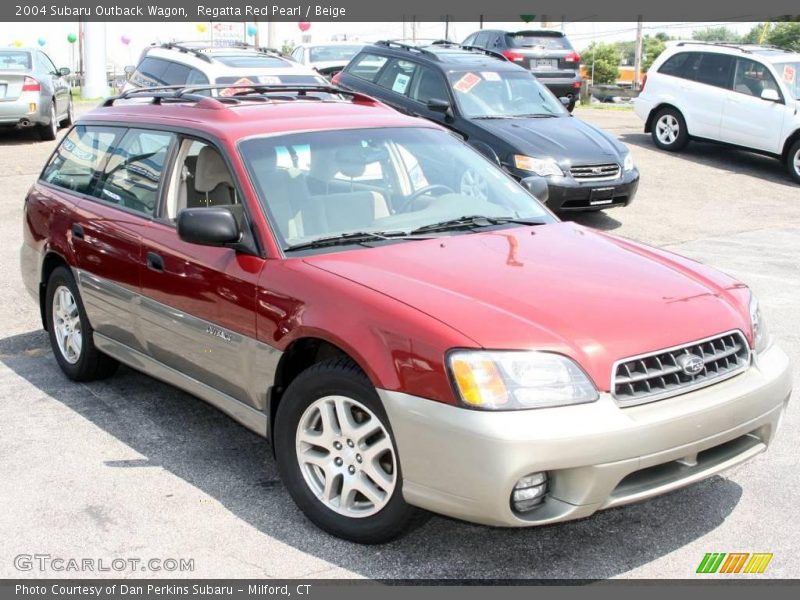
pixel 409 327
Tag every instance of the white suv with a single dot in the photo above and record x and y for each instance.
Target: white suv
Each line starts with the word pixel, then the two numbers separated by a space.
pixel 201 63
pixel 746 96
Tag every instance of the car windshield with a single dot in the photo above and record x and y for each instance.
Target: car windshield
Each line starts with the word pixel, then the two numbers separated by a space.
pixel 789 73
pixel 497 94
pixel 14 61
pixel 337 52
pixel 387 181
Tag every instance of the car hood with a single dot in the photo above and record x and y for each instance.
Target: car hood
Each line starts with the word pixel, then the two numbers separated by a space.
pixel 558 287
pixel 568 140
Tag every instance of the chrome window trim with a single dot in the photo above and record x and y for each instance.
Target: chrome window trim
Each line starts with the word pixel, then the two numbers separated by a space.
pixel 683 390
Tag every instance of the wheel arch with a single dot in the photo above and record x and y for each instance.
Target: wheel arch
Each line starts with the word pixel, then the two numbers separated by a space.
pixel 788 144
pixel 300 355
pixel 52 260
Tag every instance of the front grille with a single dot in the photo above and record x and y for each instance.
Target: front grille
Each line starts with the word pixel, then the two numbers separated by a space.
pixel 668 372
pixel 596 172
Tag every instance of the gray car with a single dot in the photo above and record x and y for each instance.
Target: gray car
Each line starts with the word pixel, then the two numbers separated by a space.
pixel 33 92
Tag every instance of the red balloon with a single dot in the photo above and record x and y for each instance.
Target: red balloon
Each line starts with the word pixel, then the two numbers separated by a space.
pixel 304 26
pixel 125 40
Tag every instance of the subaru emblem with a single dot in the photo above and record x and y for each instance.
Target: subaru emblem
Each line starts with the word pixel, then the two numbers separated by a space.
pixel 690 364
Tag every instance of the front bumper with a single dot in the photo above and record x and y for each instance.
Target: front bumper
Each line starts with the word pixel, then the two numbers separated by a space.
pixel 567 194
pixel 464 463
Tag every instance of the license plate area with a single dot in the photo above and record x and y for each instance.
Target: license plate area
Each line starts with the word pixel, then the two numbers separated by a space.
pixel 544 64
pixel 599 196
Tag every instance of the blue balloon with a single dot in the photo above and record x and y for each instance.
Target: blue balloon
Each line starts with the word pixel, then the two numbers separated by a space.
pixel 252 30
pixel 41 41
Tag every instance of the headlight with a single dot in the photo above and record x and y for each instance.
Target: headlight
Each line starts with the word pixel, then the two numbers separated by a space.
pixel 627 164
pixel 541 166
pixel 514 380
pixel 761 337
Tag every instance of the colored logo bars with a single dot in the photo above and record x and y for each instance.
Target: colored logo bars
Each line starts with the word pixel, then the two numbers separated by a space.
pixel 735 562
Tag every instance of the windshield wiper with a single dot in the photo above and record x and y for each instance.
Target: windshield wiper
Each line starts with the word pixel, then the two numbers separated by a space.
pixel 354 237
pixel 536 116
pixel 473 221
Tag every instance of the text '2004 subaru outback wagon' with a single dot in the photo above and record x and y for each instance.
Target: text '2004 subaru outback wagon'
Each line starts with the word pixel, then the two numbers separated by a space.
pixel 306 262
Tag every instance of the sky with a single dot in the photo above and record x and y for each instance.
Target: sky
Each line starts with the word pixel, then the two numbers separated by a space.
pixel 141 35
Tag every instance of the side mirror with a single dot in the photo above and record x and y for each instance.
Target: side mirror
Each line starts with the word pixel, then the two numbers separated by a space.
pixel 215 226
pixel 565 101
pixel 537 186
pixel 64 71
pixel 440 106
pixel 129 69
pixel 770 95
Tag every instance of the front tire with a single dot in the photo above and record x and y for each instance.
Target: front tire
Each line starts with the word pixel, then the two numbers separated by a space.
pixel 669 130
pixel 337 457
pixel 793 161
pixel 70 333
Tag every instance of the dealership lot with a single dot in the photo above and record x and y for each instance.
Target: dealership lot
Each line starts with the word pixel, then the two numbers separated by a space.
pixel 132 468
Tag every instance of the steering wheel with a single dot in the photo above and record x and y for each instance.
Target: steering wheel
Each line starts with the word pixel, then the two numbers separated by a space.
pixel 422 191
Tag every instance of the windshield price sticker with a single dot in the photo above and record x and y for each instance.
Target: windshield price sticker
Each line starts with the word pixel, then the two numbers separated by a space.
pixel 789 73
pixel 490 75
pixel 466 83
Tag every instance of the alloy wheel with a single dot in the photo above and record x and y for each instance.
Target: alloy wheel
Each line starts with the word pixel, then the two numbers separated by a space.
pixel 667 129
pixel 346 456
pixel 67 324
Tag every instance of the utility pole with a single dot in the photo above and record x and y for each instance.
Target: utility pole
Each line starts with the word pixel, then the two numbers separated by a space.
pixel 637 65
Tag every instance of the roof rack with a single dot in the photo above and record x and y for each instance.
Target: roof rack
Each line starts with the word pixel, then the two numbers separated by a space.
pixel 246 92
pixel 261 49
pixel 186 49
pixel 408 47
pixel 485 51
pixel 746 48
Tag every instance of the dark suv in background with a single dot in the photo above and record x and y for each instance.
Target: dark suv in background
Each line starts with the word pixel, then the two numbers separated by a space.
pixel 505 113
pixel 546 54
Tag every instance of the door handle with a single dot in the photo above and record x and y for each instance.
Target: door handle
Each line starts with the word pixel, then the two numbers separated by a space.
pixel 155 262
pixel 77 231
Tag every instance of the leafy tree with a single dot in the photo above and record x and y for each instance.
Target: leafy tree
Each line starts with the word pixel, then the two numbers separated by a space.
pixel 652 47
pixel 785 35
pixel 716 34
pixel 603 60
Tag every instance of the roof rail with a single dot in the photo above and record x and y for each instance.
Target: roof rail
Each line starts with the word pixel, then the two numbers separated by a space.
pixel 252 92
pixel 485 51
pixel 185 49
pixel 408 47
pixel 746 48
pixel 261 49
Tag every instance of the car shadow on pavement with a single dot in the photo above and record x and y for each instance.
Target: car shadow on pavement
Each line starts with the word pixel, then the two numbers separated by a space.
pixel 200 445
pixel 16 137
pixel 727 158
pixel 595 219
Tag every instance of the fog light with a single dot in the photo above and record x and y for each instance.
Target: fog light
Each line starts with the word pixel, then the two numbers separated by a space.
pixel 529 492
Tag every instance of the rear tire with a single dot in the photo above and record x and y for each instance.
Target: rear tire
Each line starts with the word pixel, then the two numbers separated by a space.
pixel 793 161
pixel 70 333
pixel 337 457
pixel 669 130
pixel 49 131
pixel 70 118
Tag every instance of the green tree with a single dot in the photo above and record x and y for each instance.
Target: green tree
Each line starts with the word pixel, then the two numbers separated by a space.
pixel 785 35
pixel 602 61
pixel 716 34
pixel 652 47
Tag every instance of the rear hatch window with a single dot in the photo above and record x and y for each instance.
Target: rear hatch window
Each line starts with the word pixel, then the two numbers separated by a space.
pixel 251 61
pixel 272 79
pixel 547 55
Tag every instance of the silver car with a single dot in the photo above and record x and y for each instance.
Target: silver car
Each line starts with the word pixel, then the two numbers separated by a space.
pixel 33 92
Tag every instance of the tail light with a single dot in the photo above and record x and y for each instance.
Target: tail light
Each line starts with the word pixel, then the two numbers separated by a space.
pixel 577 85
pixel 29 84
pixel 336 78
pixel 573 57
pixel 644 81
pixel 513 56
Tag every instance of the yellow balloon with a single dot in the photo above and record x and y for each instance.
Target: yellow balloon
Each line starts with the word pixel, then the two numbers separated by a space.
pixel 18 43
pixel 201 27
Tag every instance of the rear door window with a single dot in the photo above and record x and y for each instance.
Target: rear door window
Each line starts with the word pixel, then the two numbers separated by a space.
pixel 397 75
pixel 367 66
pixel 715 69
pixel 78 161
pixel 132 176
pixel 680 65
pixel 150 72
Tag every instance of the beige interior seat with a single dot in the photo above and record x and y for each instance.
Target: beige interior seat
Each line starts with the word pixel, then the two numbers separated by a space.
pixel 212 179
